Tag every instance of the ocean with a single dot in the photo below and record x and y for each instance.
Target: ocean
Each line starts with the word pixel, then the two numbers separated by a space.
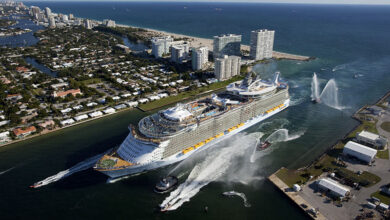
pixel 352 47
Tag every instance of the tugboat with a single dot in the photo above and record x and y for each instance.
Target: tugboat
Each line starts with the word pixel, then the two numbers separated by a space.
pixel 166 184
pixel 263 145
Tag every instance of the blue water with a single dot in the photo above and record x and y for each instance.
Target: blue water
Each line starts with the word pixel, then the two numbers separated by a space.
pixel 347 40
pixel 26 39
pixel 41 67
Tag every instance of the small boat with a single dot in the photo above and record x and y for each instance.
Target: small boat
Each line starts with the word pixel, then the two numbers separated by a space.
pixel 165 208
pixel 166 184
pixel 263 145
pixel 37 184
pixel 316 100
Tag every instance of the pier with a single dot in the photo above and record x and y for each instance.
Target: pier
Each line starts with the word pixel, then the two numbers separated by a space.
pixel 302 203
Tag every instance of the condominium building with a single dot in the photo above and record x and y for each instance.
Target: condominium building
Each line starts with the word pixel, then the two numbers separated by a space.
pixel 227 67
pixel 262 44
pixel 109 23
pixel 52 22
pixel 179 52
pixel 161 45
pixel 227 45
pixel 200 57
pixel 87 24
pixel 47 12
pixel 35 11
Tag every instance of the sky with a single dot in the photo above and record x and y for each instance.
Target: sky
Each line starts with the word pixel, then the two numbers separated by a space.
pixel 368 2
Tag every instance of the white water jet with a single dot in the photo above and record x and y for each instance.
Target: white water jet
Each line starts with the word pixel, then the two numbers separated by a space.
pixel 282 135
pixel 315 94
pixel 218 162
pixel 242 195
pixel 258 139
pixel 329 96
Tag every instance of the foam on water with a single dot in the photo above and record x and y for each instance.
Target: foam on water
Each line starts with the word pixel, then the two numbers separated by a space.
pixel 242 195
pixel 88 163
pixel 218 162
pixel 6 171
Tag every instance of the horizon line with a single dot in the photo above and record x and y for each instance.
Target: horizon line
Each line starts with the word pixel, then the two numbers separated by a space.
pixel 217 1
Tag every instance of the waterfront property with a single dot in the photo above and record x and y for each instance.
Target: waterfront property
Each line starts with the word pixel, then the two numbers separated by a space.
pixel 229 44
pixel 262 44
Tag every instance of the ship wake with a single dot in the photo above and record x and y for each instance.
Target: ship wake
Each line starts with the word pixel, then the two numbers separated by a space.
pixel 219 162
pixel 241 195
pixel 86 164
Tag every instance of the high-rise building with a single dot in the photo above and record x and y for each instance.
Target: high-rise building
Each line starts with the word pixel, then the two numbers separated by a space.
pixel 52 22
pixel 47 12
pixel 200 57
pixel 109 23
pixel 87 24
pixel 161 45
pixel 262 44
pixel 227 67
pixel 227 45
pixel 65 18
pixel 179 52
pixel 71 17
pixel 35 11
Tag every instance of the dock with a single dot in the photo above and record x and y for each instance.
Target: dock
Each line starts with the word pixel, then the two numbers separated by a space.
pixel 295 197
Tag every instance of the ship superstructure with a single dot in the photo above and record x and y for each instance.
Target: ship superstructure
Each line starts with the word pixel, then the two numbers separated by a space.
pixel 174 134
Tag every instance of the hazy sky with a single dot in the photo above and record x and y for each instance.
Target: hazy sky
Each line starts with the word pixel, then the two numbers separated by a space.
pixel 373 2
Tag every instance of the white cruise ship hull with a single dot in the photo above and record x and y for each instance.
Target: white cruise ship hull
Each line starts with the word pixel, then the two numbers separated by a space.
pixel 134 169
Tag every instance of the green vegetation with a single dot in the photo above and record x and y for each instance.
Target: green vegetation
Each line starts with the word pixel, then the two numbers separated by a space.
pixel 366 125
pixel 107 163
pixel 187 95
pixel 6 23
pixel 383 197
pixel 383 154
pixel 91 81
pixel 290 177
pixel 386 126
pixel 328 163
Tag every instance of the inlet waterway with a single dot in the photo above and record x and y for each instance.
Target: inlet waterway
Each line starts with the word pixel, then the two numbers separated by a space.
pixel 341 38
pixel 41 67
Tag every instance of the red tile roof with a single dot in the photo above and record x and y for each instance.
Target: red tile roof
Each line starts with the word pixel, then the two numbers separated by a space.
pixel 20 131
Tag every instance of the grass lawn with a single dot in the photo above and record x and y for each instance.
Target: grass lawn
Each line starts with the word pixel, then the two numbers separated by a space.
pixel 187 95
pixel 383 154
pixel 386 126
pixel 366 125
pixel 91 81
pixel 290 177
pixel 383 197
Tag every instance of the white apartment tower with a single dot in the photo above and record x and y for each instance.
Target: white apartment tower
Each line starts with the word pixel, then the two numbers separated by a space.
pixel 47 12
pixel 179 52
pixel 227 67
pixel 227 45
pixel 200 57
pixel 87 24
pixel 52 22
pixel 161 45
pixel 262 44
pixel 109 23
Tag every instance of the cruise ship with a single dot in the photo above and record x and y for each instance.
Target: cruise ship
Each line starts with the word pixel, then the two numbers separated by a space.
pixel 176 133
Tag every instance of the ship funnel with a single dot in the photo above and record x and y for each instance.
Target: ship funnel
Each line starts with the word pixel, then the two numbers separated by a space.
pixel 276 78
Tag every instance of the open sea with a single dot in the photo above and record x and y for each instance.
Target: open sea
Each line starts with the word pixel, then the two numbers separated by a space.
pixel 352 47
